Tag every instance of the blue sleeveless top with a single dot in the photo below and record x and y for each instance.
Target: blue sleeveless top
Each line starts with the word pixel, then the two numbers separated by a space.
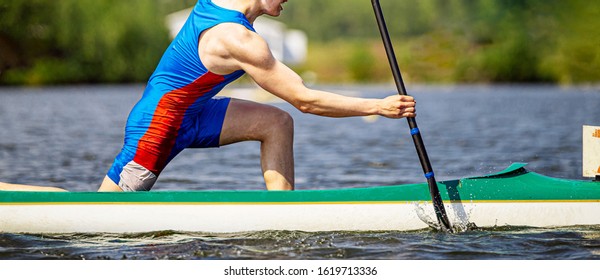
pixel 181 65
pixel 175 94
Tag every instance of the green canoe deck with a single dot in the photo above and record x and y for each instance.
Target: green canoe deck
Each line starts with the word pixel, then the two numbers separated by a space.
pixel 514 184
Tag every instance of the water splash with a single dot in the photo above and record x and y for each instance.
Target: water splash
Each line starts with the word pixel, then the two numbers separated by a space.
pixel 425 214
pixel 459 221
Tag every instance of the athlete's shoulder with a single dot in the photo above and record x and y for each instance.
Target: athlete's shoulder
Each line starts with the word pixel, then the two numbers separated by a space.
pixel 233 33
pixel 239 42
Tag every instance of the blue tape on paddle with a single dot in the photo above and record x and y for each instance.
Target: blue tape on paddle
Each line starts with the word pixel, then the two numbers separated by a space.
pixel 414 131
pixel 429 175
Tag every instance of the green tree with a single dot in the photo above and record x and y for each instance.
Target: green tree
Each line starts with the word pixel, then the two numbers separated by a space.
pixel 80 40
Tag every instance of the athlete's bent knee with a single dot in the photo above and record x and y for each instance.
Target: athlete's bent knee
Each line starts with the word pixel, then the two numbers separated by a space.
pixel 282 121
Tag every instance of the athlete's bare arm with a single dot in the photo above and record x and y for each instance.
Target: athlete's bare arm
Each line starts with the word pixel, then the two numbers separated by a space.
pixel 229 47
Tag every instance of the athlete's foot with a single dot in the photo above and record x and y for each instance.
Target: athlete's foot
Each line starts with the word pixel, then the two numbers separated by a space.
pixel 277 182
pixel 109 186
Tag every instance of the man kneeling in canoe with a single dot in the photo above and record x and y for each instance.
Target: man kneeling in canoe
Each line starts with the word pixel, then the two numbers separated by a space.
pixel 178 110
pixel 217 45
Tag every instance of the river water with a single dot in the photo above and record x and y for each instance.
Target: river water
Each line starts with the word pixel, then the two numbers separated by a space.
pixel 68 136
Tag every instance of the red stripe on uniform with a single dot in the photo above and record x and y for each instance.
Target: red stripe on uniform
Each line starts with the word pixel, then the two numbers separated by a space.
pixel 155 146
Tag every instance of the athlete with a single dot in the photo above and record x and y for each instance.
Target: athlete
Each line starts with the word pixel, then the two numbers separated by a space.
pixel 178 110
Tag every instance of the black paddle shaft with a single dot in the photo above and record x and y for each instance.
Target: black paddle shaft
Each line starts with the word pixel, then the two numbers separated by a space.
pixel 438 205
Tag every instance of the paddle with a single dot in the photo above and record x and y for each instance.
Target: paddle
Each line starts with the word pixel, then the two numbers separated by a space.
pixel 438 205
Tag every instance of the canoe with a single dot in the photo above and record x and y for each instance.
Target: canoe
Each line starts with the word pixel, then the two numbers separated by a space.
pixel 514 196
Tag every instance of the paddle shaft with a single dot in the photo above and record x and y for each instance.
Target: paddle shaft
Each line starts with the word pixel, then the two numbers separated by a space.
pixel 416 135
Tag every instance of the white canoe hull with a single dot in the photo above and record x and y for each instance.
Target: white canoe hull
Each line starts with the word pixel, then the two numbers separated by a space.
pixel 123 218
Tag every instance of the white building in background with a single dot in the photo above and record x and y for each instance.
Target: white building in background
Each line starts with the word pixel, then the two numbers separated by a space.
pixel 288 46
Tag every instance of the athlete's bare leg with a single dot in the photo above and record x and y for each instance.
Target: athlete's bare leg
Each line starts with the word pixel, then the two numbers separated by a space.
pixel 107 186
pixel 28 188
pixel 274 128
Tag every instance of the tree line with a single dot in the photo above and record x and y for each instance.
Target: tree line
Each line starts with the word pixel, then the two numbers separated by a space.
pixel 110 41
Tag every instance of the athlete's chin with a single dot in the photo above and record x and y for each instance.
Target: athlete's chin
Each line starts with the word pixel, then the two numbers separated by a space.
pixel 274 13
pixel 277 11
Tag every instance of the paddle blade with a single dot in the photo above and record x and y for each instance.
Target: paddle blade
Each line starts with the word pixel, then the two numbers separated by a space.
pixel 438 205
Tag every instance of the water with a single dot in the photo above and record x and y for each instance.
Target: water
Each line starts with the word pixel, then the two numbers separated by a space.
pixel 68 136
pixel 496 243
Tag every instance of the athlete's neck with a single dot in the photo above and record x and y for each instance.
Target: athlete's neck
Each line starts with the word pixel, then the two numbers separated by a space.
pixel 250 8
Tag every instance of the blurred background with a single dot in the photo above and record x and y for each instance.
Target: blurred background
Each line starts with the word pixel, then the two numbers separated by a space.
pixel 437 41
pixel 498 81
